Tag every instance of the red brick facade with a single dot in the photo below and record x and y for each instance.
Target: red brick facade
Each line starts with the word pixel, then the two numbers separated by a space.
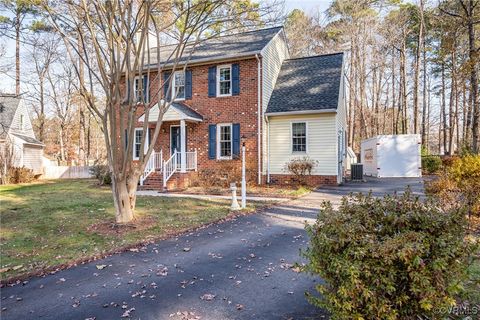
pixel 240 109
pixel 312 180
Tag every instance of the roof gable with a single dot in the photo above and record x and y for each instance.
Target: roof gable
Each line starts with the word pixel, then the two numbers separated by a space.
pixel 308 84
pixel 222 47
pixel 14 118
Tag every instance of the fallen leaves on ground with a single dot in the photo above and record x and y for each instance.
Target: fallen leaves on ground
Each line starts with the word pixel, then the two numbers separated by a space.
pixel 208 297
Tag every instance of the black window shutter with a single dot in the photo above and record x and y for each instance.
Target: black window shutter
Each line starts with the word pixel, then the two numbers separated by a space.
pixel 188 84
pixel 145 89
pixel 126 139
pixel 150 135
pixel 236 140
pixel 128 89
pixel 212 81
pixel 167 92
pixel 212 141
pixel 235 79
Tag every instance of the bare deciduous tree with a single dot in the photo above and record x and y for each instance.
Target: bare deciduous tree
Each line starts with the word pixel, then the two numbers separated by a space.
pixel 116 34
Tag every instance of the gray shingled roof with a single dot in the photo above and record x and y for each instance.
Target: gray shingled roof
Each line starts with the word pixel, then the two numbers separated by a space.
pixel 241 44
pixel 187 110
pixel 28 139
pixel 307 84
pixel 8 106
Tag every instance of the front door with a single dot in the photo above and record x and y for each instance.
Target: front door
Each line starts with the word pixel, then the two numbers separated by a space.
pixel 175 141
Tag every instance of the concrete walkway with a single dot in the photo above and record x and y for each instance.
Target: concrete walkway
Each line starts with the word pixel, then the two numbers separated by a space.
pixel 205 196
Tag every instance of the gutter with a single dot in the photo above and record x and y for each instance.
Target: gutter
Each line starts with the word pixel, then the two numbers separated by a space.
pixel 259 149
pixel 168 66
pixel 268 149
pixel 286 113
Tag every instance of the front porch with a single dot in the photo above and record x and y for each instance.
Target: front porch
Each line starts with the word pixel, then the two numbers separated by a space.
pixel 171 156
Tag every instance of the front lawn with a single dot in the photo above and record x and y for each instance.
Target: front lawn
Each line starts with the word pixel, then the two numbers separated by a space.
pixel 59 222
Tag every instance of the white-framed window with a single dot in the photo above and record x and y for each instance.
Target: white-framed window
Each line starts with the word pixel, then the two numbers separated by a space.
pixel 137 142
pixel 224 80
pixel 224 141
pixel 138 89
pixel 178 86
pixel 21 122
pixel 299 137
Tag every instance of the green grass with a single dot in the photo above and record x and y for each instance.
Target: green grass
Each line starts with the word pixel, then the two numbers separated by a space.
pixel 57 222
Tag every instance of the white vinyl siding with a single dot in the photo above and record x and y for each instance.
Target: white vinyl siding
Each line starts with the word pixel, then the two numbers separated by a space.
pixel 273 55
pixel 21 123
pixel 321 142
pixel 32 158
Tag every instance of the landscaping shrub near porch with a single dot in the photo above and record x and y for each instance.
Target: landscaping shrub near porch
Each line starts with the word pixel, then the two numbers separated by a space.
pixel 390 258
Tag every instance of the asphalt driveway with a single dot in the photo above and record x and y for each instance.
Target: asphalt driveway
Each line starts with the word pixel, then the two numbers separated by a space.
pixel 240 269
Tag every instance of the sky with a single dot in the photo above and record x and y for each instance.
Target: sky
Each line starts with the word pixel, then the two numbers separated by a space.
pixel 7 84
pixel 307 5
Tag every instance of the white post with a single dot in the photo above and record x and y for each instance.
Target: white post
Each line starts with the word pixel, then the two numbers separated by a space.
pixel 164 174
pixel 235 205
pixel 244 183
pixel 195 160
pixel 183 147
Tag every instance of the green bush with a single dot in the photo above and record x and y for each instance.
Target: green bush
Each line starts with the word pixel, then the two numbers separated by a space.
pixel 459 185
pixel 102 173
pixel 20 175
pixel 300 168
pixel 390 258
pixel 431 164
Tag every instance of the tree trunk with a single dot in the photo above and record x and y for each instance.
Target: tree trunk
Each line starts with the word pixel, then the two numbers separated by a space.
pixel 62 143
pixel 444 111
pixel 81 137
pixel 416 79
pixel 41 125
pixel 424 106
pixel 124 199
pixel 17 52
pixel 451 114
pixel 473 78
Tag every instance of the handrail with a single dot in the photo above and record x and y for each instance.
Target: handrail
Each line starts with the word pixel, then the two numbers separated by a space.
pixel 153 163
pixel 169 168
pixel 191 160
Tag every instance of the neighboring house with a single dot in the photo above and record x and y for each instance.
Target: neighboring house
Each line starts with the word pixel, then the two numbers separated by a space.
pixel 16 132
pixel 244 86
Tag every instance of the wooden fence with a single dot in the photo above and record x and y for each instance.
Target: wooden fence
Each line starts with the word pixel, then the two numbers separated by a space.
pixel 66 172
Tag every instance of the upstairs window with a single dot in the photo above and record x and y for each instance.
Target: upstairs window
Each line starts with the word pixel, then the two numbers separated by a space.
pixel 178 87
pixel 299 137
pixel 224 76
pixel 138 138
pixel 224 146
pixel 21 122
pixel 141 86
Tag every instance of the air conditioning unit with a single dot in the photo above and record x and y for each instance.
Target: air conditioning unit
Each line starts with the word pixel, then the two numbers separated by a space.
pixel 356 171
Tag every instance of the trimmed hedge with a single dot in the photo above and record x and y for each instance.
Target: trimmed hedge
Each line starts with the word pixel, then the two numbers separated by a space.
pixel 390 258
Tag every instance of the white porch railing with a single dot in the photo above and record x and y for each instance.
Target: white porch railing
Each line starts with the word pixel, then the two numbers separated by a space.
pixel 191 160
pixel 169 168
pixel 154 163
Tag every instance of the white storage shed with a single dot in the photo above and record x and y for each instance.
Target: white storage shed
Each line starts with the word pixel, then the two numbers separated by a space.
pixel 392 156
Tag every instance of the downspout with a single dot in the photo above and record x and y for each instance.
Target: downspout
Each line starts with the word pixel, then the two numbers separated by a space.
pixel 259 151
pixel 268 149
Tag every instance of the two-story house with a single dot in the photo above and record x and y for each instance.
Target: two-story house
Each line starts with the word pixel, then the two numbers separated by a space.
pixel 16 134
pixel 244 87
